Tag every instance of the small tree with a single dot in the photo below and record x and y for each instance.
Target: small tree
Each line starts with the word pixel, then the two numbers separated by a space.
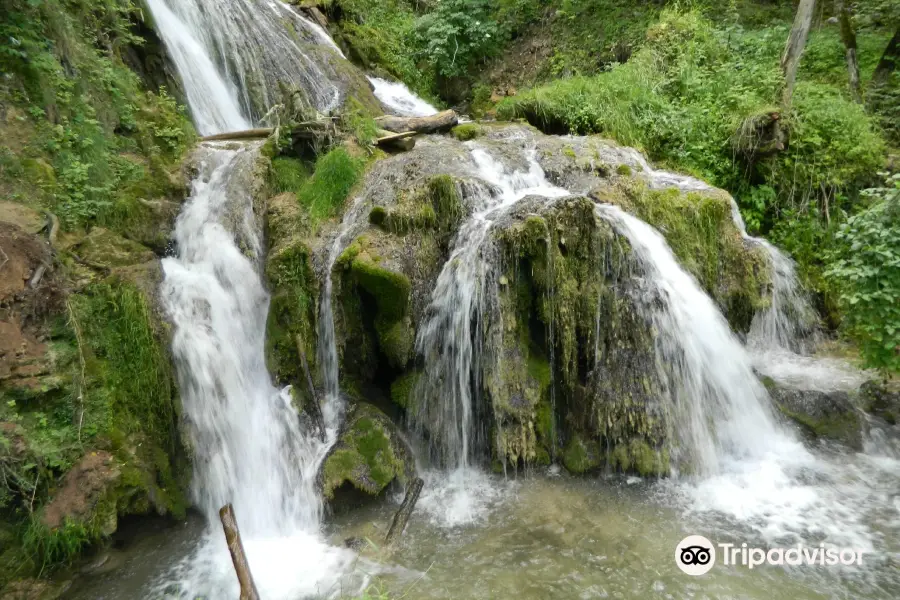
pixel 796 44
pixel 848 36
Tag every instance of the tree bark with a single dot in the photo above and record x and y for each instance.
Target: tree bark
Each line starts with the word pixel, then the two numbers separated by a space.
pixel 796 44
pixel 443 121
pixel 889 60
pixel 404 512
pixel 315 407
pixel 241 567
pixel 848 36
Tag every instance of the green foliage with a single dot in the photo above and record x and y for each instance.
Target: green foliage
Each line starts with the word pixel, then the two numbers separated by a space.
pixel 83 110
pixel 865 268
pixel 288 174
pixel 456 35
pixel 56 547
pixel 117 327
pixel 335 175
pixel 359 123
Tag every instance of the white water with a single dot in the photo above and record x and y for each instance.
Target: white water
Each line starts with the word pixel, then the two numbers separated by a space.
pixel 233 56
pixel 248 446
pixel 399 100
pixel 213 99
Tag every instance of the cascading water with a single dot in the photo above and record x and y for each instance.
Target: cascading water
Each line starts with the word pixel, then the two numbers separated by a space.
pixel 719 407
pixel 451 333
pixel 234 56
pixel 398 100
pixel 248 445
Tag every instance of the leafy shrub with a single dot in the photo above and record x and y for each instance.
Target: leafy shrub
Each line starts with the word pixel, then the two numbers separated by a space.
pixel 865 268
pixel 457 34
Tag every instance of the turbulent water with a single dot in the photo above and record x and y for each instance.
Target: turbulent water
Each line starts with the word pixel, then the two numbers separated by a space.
pixel 398 100
pixel 235 56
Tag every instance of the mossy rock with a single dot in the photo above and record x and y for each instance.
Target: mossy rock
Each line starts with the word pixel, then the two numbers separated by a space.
pixel 637 456
pixel 403 390
pixel 581 456
pixel 368 455
pixel 108 249
pixel 880 400
pixel 829 415
pixel 467 131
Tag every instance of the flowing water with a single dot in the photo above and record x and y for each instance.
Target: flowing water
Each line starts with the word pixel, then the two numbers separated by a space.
pixel 235 56
pixel 398 100
pixel 248 446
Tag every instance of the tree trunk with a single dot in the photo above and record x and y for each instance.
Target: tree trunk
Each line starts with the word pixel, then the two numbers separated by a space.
pixel 405 510
pixel 442 121
pixel 848 36
pixel 790 61
pixel 888 62
pixel 241 567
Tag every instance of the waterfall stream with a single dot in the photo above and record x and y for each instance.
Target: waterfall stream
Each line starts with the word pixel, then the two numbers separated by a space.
pixel 235 57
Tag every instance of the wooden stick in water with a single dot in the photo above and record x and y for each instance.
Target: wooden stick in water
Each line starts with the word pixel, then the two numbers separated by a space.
pixel 241 567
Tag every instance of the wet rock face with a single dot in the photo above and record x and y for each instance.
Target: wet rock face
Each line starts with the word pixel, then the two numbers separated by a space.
pixel 879 400
pixel 829 415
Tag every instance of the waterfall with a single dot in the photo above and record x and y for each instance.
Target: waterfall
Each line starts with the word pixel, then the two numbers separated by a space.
pixel 248 446
pixel 718 405
pixel 235 56
pixel 447 339
pixel 398 100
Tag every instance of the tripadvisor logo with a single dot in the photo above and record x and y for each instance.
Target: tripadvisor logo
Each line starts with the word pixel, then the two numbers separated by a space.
pixel 696 555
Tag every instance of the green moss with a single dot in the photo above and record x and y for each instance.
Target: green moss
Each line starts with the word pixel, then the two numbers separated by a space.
pixel 624 170
pixel 292 311
pixel 843 427
pixel 334 176
pixel 396 340
pixel 288 174
pixel 638 457
pixel 467 131
pixel 366 455
pixel 581 456
pixel 403 388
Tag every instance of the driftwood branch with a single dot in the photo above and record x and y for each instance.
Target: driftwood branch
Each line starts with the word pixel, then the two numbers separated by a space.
pixel 404 512
pixel 247 134
pixel 241 567
pixel 442 121
pixel 315 407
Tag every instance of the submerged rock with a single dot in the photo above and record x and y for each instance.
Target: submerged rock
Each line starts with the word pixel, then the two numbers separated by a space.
pixel 368 456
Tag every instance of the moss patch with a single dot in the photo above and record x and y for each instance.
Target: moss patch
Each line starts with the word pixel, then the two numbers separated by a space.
pixel 369 455
pixel 581 456
pixel 467 131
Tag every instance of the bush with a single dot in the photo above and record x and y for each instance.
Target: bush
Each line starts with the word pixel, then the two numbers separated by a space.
pixel 456 35
pixel 865 268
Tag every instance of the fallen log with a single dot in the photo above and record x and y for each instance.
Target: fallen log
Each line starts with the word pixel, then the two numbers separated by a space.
pixel 247 134
pixel 397 141
pixel 315 408
pixel 442 121
pixel 404 512
pixel 241 567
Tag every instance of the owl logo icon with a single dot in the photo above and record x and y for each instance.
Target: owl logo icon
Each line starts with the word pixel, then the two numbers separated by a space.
pixel 695 555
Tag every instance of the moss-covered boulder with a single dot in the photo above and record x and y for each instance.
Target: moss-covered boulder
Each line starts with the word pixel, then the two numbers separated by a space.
pixel 368 456
pixel 828 415
pixel 882 400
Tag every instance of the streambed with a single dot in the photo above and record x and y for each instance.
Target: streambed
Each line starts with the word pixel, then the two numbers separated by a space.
pixel 550 535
